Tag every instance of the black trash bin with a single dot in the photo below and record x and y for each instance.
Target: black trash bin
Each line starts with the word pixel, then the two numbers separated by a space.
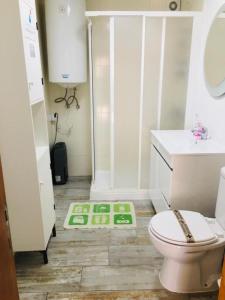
pixel 59 164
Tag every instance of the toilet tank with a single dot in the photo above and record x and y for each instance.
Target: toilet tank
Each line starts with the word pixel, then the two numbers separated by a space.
pixel 220 205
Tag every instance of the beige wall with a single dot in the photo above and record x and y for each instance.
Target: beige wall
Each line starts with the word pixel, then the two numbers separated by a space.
pixel 139 5
pixel 192 4
pixel 74 125
pixel 74 128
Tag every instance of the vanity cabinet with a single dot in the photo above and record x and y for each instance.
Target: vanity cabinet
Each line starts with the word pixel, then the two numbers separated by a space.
pixel 24 142
pixel 185 175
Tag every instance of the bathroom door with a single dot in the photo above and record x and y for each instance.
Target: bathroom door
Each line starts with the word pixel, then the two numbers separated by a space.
pixel 222 286
pixel 8 285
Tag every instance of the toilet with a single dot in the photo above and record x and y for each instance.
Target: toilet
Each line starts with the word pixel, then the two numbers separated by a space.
pixel 192 246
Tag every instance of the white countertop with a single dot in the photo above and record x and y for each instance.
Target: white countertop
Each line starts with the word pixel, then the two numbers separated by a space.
pixel 181 142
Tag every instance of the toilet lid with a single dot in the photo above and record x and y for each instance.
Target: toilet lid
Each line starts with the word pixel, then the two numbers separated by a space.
pixel 165 224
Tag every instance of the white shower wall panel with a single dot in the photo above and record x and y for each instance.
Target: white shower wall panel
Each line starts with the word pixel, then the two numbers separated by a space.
pixel 176 71
pixel 152 54
pixel 128 41
pixel 140 75
pixel 101 82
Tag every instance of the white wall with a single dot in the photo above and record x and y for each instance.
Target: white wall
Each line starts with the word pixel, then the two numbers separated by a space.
pixel 101 93
pixel 211 111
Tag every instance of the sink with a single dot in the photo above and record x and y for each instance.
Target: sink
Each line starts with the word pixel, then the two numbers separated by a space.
pixel 182 142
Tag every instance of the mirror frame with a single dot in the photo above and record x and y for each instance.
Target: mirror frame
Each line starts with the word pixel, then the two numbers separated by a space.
pixel 219 90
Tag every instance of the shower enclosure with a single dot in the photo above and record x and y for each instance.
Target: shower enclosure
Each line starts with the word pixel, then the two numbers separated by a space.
pixel 139 63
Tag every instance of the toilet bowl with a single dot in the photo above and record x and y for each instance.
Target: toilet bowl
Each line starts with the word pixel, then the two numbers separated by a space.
pixel 190 265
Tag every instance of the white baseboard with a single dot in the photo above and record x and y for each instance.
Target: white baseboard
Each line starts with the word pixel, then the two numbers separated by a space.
pixel 122 194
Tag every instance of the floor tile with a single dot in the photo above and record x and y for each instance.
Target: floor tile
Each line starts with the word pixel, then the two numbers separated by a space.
pixel 113 278
pixel 77 194
pixel 47 278
pixel 135 255
pixel 139 236
pixel 81 237
pixel 74 184
pixel 143 208
pixel 143 222
pixel 213 296
pixel 121 295
pixel 123 237
pixel 80 179
pixel 144 213
pixel 78 256
pixel 143 205
pixel 59 193
pixel 64 204
pixel 79 259
pixel 143 237
pixel 33 296
pixel 61 214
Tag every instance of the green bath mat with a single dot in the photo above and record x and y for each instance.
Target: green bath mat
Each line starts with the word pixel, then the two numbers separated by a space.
pixel 89 215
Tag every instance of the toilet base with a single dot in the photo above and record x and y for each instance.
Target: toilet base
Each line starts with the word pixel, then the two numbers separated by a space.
pixel 181 277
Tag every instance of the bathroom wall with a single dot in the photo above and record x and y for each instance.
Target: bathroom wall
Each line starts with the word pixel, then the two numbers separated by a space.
pixel 210 111
pixel 139 5
pixel 192 4
pixel 75 127
pixel 101 92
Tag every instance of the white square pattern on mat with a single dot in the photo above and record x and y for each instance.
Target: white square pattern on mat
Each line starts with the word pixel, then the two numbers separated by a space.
pixel 89 215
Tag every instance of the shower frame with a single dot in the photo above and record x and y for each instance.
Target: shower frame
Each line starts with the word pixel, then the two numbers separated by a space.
pixel 111 193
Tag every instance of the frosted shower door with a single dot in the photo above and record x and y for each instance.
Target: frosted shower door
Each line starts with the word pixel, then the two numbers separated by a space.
pixel 128 37
pixel 153 33
pixel 175 77
pixel 100 57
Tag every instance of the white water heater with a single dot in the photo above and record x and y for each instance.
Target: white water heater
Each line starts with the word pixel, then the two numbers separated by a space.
pixel 66 41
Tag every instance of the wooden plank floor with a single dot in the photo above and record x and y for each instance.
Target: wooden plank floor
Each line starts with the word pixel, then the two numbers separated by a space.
pixel 97 264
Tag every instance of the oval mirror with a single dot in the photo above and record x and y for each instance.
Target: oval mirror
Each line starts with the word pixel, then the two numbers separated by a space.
pixel 215 56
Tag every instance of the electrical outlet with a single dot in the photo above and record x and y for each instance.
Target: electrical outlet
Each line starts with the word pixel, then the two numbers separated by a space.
pixel 52 117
